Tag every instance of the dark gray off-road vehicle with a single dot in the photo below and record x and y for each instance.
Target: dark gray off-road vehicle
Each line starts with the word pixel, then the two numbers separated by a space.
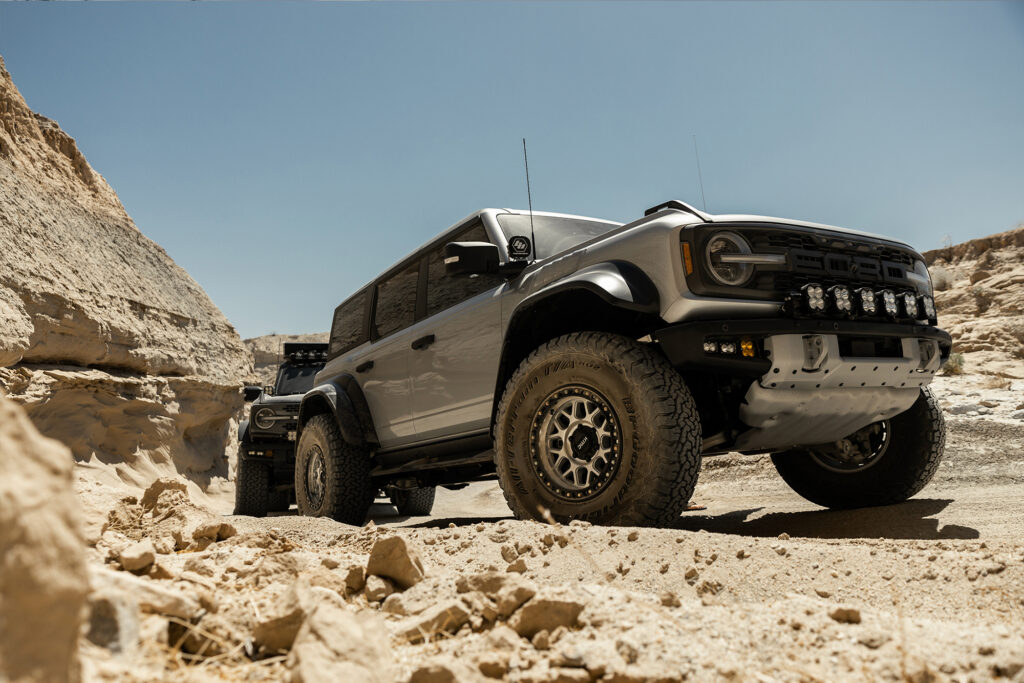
pixel 590 365
pixel 265 477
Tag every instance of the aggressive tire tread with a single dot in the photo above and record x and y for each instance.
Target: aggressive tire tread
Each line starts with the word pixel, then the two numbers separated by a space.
pixel 673 434
pixel 349 490
pixel 252 488
pixel 415 502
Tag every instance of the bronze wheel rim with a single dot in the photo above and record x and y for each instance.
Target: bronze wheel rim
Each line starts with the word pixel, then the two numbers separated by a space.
pixel 575 443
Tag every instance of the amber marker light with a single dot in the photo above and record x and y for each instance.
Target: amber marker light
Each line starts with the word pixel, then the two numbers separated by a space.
pixel 747 348
pixel 687 258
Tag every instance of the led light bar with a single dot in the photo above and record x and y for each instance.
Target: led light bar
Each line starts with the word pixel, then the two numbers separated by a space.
pixel 928 304
pixel 840 296
pixel 728 347
pixel 889 302
pixel 866 300
pixel 910 305
pixel 710 347
pixel 814 295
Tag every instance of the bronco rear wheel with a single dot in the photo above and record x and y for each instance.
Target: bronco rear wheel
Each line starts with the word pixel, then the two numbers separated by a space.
pixel 884 463
pixel 332 477
pixel 598 427
pixel 414 502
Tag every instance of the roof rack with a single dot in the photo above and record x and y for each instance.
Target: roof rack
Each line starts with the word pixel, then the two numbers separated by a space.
pixel 305 351
pixel 679 206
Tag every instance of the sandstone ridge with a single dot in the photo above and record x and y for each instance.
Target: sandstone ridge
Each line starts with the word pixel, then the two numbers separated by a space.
pixel 110 345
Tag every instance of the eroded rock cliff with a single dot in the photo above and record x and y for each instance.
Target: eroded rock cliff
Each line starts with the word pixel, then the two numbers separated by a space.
pixel 979 292
pixel 110 346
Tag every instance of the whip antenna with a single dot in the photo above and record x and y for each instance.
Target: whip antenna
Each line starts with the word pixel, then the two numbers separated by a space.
pixel 529 198
pixel 700 178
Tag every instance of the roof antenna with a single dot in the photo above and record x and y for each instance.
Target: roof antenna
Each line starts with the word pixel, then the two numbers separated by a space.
pixel 529 198
pixel 696 154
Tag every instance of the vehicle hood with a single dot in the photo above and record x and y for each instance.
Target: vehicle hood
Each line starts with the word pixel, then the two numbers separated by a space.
pixel 751 218
pixel 278 400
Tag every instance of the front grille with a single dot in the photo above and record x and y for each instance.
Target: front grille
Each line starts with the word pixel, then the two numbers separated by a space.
pixel 827 260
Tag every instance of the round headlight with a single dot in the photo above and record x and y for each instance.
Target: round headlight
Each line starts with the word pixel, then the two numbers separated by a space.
pixel 263 418
pixel 720 247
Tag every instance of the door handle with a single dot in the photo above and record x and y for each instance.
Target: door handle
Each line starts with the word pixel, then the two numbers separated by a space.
pixel 363 367
pixel 423 342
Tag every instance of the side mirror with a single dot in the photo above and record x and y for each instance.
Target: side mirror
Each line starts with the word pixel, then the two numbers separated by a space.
pixel 250 394
pixel 470 258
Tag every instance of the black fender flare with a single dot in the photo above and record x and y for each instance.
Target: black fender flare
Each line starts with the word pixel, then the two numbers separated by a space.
pixel 618 283
pixel 344 400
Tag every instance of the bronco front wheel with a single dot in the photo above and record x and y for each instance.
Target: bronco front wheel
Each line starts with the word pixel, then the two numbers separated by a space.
pixel 884 463
pixel 598 427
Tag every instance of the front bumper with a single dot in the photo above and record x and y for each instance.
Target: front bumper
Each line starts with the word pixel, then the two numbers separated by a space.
pixel 813 381
pixel 683 344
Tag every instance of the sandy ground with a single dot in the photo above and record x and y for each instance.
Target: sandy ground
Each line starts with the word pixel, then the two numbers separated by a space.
pixel 759 586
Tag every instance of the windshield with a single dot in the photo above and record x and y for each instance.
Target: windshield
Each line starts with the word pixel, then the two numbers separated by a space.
pixel 295 379
pixel 554 234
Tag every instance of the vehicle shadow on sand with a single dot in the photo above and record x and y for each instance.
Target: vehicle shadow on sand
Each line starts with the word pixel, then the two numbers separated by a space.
pixel 913 519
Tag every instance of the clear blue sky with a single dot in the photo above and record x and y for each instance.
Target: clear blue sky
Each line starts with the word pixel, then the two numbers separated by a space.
pixel 284 154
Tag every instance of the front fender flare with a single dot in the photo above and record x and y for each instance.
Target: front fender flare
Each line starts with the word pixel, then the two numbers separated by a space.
pixel 340 407
pixel 618 283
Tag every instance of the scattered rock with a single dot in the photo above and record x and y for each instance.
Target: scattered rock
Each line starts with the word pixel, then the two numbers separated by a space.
pixel 378 588
pixel 138 556
pixel 846 615
pixel 546 612
pixel 113 621
pixel 822 592
pixel 336 645
pixel 670 599
pixel 152 494
pixel 519 566
pixel 493 664
pixel 153 596
pixel 392 558
pixel 873 639
pixel 278 627
pixel 355 579
pixel 447 617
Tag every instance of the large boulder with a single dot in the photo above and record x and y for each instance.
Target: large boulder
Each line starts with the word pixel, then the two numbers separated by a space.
pixel 42 573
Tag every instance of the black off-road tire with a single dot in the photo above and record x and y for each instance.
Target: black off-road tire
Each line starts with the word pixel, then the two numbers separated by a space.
pixel 915 450
pixel 348 491
pixel 415 502
pixel 252 488
pixel 657 422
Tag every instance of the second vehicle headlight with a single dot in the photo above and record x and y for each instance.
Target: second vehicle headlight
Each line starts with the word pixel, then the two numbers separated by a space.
pixel 264 418
pixel 726 271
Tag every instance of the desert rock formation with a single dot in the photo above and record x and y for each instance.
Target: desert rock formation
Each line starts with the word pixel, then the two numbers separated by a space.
pixel 110 346
pixel 980 298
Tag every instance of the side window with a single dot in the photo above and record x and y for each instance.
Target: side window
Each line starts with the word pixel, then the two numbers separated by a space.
pixel 396 301
pixel 444 291
pixel 349 329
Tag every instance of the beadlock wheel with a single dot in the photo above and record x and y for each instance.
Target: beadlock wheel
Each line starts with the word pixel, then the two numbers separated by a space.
pixel 316 477
pixel 575 444
pixel 857 452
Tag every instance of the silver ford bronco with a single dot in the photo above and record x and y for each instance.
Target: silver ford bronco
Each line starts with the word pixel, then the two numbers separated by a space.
pixel 589 366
